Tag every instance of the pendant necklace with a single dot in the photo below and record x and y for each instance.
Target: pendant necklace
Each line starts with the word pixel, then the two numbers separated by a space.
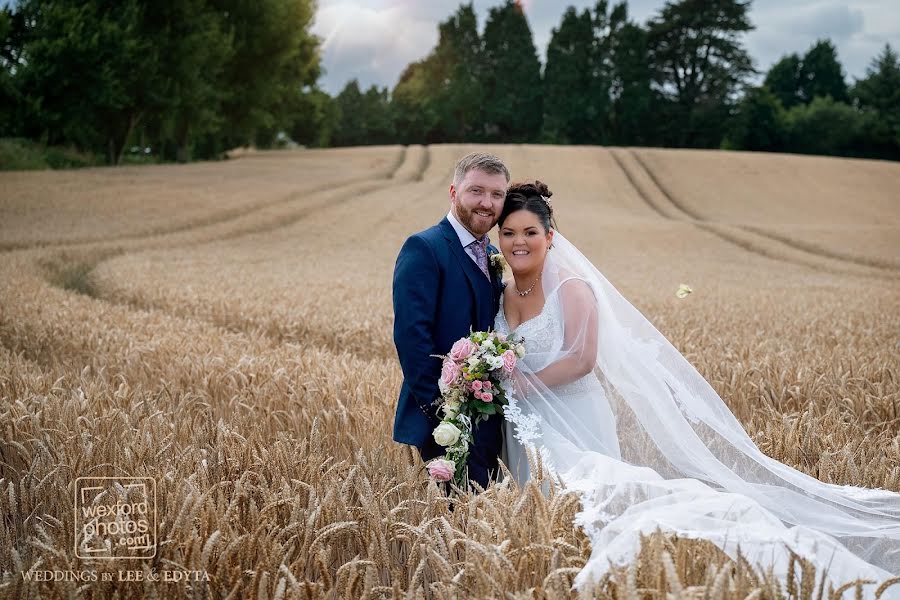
pixel 528 291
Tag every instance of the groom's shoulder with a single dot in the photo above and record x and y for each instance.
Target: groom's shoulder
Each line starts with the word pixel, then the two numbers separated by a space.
pixel 425 245
pixel 433 233
pixel 431 236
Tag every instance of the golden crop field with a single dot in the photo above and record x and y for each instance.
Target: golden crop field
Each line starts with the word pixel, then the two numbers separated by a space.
pixel 225 329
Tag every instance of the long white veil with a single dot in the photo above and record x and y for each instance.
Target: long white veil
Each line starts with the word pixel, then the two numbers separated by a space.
pixel 653 446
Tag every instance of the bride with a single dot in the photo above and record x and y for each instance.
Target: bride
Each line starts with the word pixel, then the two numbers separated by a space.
pixel 616 412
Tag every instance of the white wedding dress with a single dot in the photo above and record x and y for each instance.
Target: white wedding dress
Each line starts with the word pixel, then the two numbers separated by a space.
pixel 618 414
pixel 584 394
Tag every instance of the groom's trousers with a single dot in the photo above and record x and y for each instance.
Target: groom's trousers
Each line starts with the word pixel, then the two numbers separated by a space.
pixel 483 453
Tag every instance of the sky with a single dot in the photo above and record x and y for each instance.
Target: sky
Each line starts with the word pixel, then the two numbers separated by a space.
pixel 374 40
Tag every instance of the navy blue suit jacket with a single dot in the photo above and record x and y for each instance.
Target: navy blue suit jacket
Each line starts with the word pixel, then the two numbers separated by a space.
pixel 439 296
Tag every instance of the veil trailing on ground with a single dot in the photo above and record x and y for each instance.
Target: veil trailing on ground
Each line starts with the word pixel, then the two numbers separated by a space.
pixel 653 446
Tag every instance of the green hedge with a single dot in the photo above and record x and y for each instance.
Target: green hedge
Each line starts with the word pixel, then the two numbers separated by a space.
pixel 18 154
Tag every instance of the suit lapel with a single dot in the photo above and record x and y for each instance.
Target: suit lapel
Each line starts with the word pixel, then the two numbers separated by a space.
pixel 477 281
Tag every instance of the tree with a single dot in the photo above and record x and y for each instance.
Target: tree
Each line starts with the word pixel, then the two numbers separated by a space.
pixel 880 88
pixel 194 49
pixel 275 57
pixel 351 120
pixel 622 84
pixel 699 66
pixel 878 94
pixel 459 88
pixel 191 75
pixel 315 117
pixel 414 106
pixel 379 127
pixel 511 77
pixel 821 74
pixel 89 73
pixel 582 80
pixel 570 110
pixel 438 99
pixel 365 118
pixel 759 124
pixel 783 80
pixel 630 118
pixel 608 27
pixel 825 126
pixel 12 33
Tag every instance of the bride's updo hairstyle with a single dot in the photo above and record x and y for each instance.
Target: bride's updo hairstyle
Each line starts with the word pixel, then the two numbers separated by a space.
pixel 533 197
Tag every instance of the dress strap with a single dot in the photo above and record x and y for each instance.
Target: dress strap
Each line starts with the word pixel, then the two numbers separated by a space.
pixel 559 285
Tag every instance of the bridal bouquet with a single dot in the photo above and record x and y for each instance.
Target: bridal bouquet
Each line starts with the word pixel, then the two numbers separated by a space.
pixel 474 385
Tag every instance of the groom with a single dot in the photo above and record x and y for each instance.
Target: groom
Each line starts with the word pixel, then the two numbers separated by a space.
pixel 444 287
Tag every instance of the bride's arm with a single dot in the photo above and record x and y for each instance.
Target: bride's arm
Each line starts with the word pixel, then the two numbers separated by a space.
pixel 578 355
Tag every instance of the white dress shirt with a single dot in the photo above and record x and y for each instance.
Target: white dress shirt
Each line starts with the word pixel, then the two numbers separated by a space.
pixel 465 236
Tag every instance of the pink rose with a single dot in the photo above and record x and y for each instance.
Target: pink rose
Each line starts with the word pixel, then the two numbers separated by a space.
pixel 487 385
pixel 509 361
pixel 450 372
pixel 477 385
pixel 487 397
pixel 441 469
pixel 462 349
pixel 502 337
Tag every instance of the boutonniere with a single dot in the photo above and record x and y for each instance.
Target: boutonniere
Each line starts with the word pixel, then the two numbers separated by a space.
pixel 498 262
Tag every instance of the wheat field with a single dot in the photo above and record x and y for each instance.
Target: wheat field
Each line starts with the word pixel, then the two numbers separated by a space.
pixel 225 329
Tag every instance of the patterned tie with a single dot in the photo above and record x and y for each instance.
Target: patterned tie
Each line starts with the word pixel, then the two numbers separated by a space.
pixel 479 247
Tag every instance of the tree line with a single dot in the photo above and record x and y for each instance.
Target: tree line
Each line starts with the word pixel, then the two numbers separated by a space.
pixel 192 78
pixel 683 79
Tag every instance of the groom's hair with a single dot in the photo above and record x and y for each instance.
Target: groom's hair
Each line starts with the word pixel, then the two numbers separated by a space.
pixel 483 162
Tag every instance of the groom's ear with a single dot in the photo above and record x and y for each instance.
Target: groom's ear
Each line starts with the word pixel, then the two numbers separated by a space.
pixel 452 192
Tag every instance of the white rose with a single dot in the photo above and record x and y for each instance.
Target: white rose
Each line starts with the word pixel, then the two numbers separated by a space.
pixel 473 361
pixel 520 350
pixel 446 434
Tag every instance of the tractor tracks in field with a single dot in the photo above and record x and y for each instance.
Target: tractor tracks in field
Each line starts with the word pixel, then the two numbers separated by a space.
pixel 409 167
pixel 70 266
pixel 225 217
pixel 815 249
pixel 655 194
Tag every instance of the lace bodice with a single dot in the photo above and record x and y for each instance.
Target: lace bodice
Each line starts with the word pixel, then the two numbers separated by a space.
pixel 543 334
pixel 539 331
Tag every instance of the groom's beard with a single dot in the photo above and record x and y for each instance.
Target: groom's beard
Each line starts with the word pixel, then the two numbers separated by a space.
pixel 475 223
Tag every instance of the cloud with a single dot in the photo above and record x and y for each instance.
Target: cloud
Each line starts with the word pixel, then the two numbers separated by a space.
pixel 820 20
pixel 374 40
pixel 858 32
pixel 371 44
